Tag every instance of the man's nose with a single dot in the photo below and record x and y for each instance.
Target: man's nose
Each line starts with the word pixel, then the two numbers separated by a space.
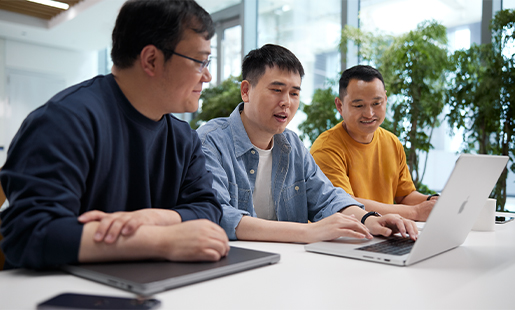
pixel 286 100
pixel 368 112
pixel 206 75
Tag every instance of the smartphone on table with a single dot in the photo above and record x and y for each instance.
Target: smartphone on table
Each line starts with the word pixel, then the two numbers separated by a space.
pixel 84 301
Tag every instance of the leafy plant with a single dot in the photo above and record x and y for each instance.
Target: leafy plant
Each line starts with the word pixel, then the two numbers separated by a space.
pixel 414 69
pixel 482 99
pixel 321 114
pixel 218 101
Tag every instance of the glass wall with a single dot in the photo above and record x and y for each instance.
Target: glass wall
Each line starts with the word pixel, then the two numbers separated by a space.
pixel 508 4
pixel 231 49
pixel 461 18
pixel 311 30
pixel 213 65
pixel 212 6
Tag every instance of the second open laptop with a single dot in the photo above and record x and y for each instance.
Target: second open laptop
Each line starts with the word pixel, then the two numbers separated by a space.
pixel 450 221
pixel 149 277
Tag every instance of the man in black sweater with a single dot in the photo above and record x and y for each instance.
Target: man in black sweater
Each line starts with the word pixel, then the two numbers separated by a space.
pixel 102 171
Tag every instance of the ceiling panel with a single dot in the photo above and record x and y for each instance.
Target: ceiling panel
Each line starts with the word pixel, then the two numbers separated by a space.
pixel 34 9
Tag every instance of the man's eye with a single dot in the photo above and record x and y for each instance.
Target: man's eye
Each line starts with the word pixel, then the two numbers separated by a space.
pixel 276 90
pixel 294 94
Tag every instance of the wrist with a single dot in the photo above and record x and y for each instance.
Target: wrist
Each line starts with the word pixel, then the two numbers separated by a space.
pixel 369 214
pixel 305 233
pixel 433 195
pixel 174 218
pixel 164 217
pixel 411 212
pixel 163 242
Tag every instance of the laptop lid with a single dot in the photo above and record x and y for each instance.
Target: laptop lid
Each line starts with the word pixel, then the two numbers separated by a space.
pixel 149 277
pixel 464 195
pixel 450 221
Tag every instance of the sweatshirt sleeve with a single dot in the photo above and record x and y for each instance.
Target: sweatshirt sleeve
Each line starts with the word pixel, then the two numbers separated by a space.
pixel 44 178
pixel 197 199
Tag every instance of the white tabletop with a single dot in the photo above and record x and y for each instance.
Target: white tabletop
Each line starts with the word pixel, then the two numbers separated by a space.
pixel 480 274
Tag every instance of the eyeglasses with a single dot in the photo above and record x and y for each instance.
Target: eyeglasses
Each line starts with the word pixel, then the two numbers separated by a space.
pixel 203 64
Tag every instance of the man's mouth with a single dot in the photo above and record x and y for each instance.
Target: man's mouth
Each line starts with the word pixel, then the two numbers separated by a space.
pixel 281 117
pixel 368 122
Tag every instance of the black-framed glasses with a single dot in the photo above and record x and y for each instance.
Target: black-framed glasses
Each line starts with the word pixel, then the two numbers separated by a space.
pixel 203 64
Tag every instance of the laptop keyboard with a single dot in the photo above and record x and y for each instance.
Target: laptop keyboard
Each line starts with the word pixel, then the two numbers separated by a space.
pixel 393 246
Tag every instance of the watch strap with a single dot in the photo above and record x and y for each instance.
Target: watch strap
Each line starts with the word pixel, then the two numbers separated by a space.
pixel 434 195
pixel 371 213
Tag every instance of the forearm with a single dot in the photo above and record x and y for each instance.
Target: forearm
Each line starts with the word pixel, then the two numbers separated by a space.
pixel 383 208
pixel 145 243
pixel 255 229
pixel 412 198
pixel 356 211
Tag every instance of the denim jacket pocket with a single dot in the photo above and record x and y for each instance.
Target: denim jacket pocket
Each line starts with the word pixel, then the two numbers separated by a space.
pixel 295 201
pixel 240 197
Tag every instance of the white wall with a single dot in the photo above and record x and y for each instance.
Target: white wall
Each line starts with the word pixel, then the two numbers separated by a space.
pixel 72 65
pixel 40 62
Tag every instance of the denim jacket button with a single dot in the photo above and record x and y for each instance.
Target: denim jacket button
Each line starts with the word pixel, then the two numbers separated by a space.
pixel 252 171
pixel 253 152
pixel 296 188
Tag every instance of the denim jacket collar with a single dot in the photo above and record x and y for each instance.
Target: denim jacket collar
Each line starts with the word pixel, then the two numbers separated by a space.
pixel 242 143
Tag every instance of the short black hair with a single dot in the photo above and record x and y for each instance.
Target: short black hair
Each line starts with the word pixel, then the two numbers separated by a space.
pixel 269 55
pixel 361 73
pixel 155 22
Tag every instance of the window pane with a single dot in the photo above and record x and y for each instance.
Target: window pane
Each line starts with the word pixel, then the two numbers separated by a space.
pixel 213 65
pixel 212 6
pixel 508 4
pixel 232 52
pixel 462 18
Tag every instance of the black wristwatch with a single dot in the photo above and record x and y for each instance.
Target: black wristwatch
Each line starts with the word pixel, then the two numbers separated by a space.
pixel 429 197
pixel 371 213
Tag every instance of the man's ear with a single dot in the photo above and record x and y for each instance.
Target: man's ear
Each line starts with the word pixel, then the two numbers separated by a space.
pixel 339 105
pixel 148 59
pixel 244 89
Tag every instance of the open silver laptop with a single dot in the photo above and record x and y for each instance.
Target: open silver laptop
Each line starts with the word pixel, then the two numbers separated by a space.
pixel 449 223
pixel 149 277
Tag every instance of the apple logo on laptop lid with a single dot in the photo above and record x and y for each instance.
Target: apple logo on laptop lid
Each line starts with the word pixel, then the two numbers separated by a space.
pixel 463 205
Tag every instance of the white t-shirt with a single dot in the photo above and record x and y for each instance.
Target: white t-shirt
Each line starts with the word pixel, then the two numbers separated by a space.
pixel 262 195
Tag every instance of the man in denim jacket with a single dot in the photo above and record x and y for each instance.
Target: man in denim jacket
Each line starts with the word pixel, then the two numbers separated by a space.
pixel 266 180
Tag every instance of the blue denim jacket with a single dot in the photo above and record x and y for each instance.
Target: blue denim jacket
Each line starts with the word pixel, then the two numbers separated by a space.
pixel 300 190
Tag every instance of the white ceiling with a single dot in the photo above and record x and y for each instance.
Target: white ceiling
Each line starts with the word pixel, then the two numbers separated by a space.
pixel 86 26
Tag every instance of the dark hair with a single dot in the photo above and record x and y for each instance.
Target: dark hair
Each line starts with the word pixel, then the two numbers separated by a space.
pixel 361 73
pixel 155 22
pixel 269 55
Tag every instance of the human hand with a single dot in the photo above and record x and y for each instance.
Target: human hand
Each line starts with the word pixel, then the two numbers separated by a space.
pixel 423 209
pixel 335 226
pixel 112 225
pixel 196 240
pixel 389 224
